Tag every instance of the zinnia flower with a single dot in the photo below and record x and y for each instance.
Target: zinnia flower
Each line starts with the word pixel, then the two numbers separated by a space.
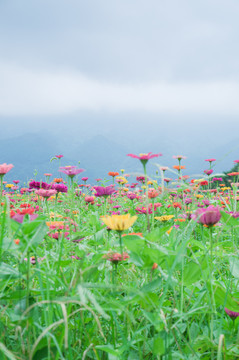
pixel 208 172
pixel 233 314
pixel 119 222
pixel 113 174
pixel 210 160
pixel 116 257
pixel 104 191
pixel 164 218
pixel 179 157
pixel 208 216
pixel 4 168
pixel 70 171
pixel 45 193
pixel 144 157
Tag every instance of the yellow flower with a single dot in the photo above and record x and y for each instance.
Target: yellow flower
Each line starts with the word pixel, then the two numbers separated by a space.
pixel 54 215
pixel 121 180
pixel 122 170
pixel 199 196
pixel 9 185
pixel 164 217
pixel 119 222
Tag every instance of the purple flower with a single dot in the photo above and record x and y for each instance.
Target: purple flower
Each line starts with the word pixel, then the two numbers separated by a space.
pixel 208 216
pixel 104 191
pixel 60 188
pixel 70 171
pixel 233 314
pixel 234 214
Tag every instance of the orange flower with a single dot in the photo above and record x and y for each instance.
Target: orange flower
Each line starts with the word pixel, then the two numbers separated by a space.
pixel 233 174
pixel 58 180
pixel 55 224
pixel 180 220
pixel 113 174
pixel 17 241
pixel 177 205
pixel 155 265
pixel 179 167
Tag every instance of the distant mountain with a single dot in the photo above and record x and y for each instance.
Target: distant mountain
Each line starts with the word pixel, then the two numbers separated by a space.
pixel 100 154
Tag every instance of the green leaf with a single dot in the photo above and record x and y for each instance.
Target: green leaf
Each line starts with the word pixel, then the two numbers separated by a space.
pixel 222 298
pixel 194 272
pixel 109 349
pixel 229 220
pixel 158 346
pixel 8 272
pixel 234 266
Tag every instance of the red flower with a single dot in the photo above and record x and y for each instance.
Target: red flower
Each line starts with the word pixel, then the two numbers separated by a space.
pixel 177 205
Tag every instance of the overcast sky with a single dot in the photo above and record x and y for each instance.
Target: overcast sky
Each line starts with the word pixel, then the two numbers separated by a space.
pixel 172 59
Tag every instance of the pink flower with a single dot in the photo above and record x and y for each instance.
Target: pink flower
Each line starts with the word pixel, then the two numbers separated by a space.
pixel 164 168
pixel 210 160
pixel 236 161
pixel 179 157
pixel 208 216
pixel 45 193
pixel 144 157
pixel 71 171
pixel 116 257
pixel 208 172
pixel 59 156
pixel 4 168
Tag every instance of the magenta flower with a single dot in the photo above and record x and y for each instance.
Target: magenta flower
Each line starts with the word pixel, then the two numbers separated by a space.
pixel 233 314
pixel 236 161
pixel 104 191
pixel 208 216
pixel 208 172
pixel 131 195
pixel 84 178
pixel 70 171
pixel 210 160
pixel 45 193
pixel 60 188
pixel 217 179
pixel 20 217
pixel 4 168
pixel 144 157
pixel 59 156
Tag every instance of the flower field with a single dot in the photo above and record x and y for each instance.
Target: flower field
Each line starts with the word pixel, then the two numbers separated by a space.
pixel 132 267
